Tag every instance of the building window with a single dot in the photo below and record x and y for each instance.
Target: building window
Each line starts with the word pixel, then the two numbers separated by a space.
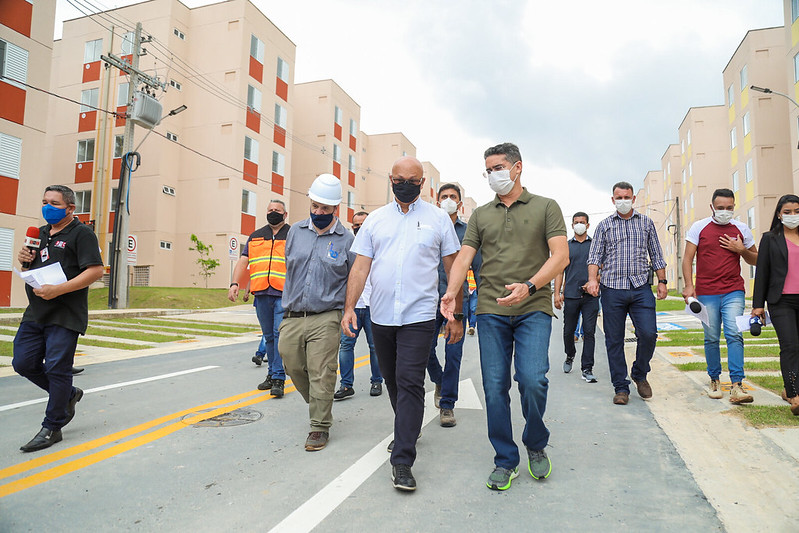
pixel 351 199
pixel 750 218
pixel 92 51
pixel 281 116
pixel 690 168
pixel 733 138
pixel 683 177
pixel 257 48
pixel 691 200
pixel 248 202
pixel 746 124
pixel 85 150
pixel 127 43
pixel 114 198
pixel 794 10
pixel 10 155
pixel 730 97
pixel 278 163
pixel 682 146
pixel 351 163
pixel 688 136
pixel 179 34
pixel 165 245
pixel 119 145
pixel 338 116
pixel 353 128
pixel 735 181
pixel 83 202
pixel 251 150
pixel 749 171
pixel 171 136
pixel 282 70
pixel 744 78
pixel 122 95
pixel 336 153
pixel 7 251
pixel 89 99
pixel 253 98
pixel 13 64
pixel 175 84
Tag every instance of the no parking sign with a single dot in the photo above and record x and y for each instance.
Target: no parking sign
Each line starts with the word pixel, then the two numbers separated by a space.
pixel 233 248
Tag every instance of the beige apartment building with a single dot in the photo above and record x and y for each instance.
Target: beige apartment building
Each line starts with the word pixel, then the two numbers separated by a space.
pixel 760 161
pixel 431 183
pixel 791 37
pixel 26 37
pixel 208 171
pixel 379 152
pixel 669 207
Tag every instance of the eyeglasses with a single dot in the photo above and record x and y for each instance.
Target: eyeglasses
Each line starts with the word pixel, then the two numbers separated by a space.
pixel 399 181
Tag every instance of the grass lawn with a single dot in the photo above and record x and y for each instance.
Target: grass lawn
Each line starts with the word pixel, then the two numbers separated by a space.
pixel 772 383
pixel 756 351
pixel 109 344
pixel 165 298
pixel 669 305
pixel 6 348
pixel 198 325
pixel 164 329
pixel 12 309
pixel 696 337
pixel 748 365
pixel 133 335
pixel 761 416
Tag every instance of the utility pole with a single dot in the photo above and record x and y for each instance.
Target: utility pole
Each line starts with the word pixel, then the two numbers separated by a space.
pixel 678 248
pixel 118 289
pixel 99 201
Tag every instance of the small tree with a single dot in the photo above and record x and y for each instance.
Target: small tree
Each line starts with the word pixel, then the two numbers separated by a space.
pixel 207 265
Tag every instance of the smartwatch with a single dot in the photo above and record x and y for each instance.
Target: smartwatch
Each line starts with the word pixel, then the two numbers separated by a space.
pixel 530 287
pixel 458 316
pixel 234 283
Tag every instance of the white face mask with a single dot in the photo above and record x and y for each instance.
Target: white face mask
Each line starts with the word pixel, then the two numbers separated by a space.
pixel 790 221
pixel 722 216
pixel 624 206
pixel 579 228
pixel 499 181
pixel 449 205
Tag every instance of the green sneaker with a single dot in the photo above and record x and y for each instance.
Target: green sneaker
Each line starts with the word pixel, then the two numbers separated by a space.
pixel 500 478
pixel 538 464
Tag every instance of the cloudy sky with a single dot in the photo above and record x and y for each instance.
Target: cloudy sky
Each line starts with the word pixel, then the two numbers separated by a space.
pixel 592 92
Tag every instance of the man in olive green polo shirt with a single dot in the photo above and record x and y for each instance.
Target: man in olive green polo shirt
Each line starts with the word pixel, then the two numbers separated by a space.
pixel 523 241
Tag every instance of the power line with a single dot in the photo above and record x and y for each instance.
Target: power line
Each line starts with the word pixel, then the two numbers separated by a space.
pixel 119 115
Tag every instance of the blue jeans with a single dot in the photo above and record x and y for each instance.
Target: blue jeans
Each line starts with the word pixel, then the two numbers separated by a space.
pixel 346 351
pixel 530 335
pixel 472 309
pixel 640 304
pixel 449 376
pixel 724 308
pixel 44 355
pixel 269 310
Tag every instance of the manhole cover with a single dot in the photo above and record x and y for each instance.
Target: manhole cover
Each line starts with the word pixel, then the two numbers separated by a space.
pixel 239 417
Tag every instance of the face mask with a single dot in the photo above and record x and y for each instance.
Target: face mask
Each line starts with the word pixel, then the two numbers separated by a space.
pixel 356 229
pixel 449 205
pixel 500 182
pixel 722 216
pixel 790 221
pixel 405 191
pixel 624 206
pixel 579 228
pixel 274 218
pixel 52 214
pixel 321 221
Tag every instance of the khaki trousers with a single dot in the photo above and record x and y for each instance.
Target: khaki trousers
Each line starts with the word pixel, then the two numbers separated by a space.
pixel 309 347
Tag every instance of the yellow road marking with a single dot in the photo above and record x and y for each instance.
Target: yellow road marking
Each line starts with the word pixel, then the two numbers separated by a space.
pixel 71 466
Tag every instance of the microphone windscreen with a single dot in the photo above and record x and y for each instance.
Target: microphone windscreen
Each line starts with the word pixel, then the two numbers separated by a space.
pixel 32 232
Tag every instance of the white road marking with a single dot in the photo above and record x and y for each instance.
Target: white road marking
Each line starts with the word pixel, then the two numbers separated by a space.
pixel 114 386
pixel 311 513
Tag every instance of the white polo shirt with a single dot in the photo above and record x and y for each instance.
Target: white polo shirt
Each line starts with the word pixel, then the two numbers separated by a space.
pixel 405 249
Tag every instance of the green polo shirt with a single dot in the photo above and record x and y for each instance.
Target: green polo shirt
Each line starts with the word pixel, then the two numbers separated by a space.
pixel 513 241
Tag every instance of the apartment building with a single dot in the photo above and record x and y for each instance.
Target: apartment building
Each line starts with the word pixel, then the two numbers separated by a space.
pixel 26 37
pixel 378 153
pixel 791 38
pixel 431 183
pixel 760 161
pixel 671 188
pixel 208 171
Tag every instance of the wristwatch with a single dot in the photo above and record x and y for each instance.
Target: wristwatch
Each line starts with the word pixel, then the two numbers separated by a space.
pixel 458 316
pixel 530 287
pixel 234 283
pixel 663 281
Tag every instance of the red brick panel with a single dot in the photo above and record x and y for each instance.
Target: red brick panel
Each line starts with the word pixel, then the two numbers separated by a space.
pixel 5 288
pixel 350 214
pixel 277 183
pixel 337 131
pixel 12 103
pixel 247 224
pixel 91 71
pixel 126 59
pixel 254 120
pixel 117 168
pixel 84 217
pixel 351 178
pixel 84 172
pixel 279 136
pixel 120 120
pixel 250 171
pixel 256 70
pixel 337 169
pixel 353 143
pixel 111 216
pixel 87 121
pixel 16 14
pixel 8 195
pixel 282 89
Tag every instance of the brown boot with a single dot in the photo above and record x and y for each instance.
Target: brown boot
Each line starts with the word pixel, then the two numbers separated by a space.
pixel 794 405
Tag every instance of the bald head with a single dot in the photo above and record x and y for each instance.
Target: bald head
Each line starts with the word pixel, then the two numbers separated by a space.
pixel 407 167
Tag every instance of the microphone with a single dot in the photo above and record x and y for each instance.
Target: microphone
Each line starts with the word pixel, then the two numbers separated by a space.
pixel 755 326
pixel 694 304
pixel 32 242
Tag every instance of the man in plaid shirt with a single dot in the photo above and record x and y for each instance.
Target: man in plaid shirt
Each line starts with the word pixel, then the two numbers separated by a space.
pixel 621 245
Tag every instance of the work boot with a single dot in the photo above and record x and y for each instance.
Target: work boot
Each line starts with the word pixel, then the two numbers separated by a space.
pixel 267 384
pixel 737 394
pixel 277 388
pixel 715 391
pixel 447 418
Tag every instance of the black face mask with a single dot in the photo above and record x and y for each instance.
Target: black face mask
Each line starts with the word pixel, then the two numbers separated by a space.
pixel 355 230
pixel 274 218
pixel 405 191
pixel 321 221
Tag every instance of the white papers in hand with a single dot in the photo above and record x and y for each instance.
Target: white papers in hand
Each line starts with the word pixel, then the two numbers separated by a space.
pixel 743 322
pixel 701 315
pixel 51 274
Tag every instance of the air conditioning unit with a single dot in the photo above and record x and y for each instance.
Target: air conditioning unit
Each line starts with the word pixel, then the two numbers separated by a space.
pixel 146 110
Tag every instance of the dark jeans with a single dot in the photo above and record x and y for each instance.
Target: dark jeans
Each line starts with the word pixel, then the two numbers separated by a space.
pixel 269 310
pixel 403 352
pixel 449 376
pixel 785 317
pixel 44 355
pixel 572 308
pixel 346 350
pixel 640 304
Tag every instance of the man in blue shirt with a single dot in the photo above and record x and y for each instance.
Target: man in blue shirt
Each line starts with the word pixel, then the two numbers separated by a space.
pixel 571 296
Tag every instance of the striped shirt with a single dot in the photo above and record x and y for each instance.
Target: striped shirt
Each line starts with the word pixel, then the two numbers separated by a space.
pixel 620 248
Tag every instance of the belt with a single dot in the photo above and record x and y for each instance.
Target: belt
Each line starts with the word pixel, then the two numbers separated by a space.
pixel 300 314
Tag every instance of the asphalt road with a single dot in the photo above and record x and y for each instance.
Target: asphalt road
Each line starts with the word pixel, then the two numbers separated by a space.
pixel 130 460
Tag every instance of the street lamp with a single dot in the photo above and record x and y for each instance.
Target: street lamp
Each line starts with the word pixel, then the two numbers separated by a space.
pixel 766 90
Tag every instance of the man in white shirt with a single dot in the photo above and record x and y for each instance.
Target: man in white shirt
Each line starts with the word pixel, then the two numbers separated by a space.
pixel 399 247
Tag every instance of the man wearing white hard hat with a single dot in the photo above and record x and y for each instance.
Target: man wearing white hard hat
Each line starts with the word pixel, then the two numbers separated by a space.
pixel 318 262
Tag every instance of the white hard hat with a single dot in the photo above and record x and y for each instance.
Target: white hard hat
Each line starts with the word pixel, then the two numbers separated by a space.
pixel 326 189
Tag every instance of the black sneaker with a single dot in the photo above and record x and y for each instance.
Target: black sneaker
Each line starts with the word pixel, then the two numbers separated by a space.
pixel 376 389
pixel 267 384
pixel 343 392
pixel 277 388
pixel 257 360
pixel 402 478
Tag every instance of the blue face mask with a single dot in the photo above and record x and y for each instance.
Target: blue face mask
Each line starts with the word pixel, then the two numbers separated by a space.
pixel 52 214
pixel 322 221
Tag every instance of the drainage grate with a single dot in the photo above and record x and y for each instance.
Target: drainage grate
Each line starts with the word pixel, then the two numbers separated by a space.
pixel 239 417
